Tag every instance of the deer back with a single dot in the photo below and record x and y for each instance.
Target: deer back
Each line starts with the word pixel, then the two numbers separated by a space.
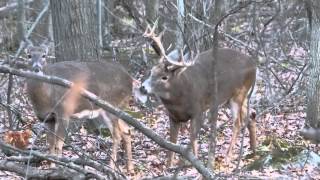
pixel 107 80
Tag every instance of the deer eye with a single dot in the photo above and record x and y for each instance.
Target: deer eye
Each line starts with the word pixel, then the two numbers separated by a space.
pixel 43 56
pixel 164 78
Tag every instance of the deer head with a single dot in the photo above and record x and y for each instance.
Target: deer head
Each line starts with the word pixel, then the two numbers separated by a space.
pixel 168 68
pixel 37 57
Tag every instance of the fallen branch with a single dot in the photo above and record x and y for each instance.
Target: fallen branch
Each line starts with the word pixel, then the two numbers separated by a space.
pixel 182 150
pixel 104 169
pixel 35 173
pixel 170 178
pixel 72 164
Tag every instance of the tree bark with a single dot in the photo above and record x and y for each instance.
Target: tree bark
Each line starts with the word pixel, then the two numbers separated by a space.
pixel 313 92
pixel 21 19
pixel 180 24
pixel 108 24
pixel 213 113
pixel 74 30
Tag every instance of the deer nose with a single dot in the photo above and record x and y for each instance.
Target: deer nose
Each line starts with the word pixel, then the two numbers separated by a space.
pixel 143 90
pixel 37 67
pixel 37 70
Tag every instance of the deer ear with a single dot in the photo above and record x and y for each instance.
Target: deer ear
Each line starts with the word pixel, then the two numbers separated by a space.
pixel 186 56
pixel 45 48
pixel 26 50
pixel 28 45
pixel 45 45
pixel 174 55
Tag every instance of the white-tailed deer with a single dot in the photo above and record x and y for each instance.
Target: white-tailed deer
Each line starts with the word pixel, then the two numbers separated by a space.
pixel 54 105
pixel 184 87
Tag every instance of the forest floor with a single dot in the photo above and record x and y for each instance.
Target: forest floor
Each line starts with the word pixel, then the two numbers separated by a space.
pixel 279 145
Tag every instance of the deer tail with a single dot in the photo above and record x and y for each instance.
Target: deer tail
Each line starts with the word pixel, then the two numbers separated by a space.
pixel 74 94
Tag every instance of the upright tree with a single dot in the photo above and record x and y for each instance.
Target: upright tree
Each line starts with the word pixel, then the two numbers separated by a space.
pixel 313 92
pixel 75 30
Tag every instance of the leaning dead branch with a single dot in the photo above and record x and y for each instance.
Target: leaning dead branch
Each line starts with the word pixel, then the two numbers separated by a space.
pixel 182 150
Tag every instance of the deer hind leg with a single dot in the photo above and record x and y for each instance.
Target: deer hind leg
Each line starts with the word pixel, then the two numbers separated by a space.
pixel 251 124
pixel 236 107
pixel 126 136
pixel 174 130
pixel 252 133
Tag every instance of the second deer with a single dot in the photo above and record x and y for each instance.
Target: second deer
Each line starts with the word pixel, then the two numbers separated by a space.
pixel 54 105
pixel 185 88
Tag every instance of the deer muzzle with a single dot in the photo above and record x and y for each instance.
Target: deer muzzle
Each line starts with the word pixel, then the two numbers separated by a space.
pixel 143 90
pixel 146 87
pixel 37 67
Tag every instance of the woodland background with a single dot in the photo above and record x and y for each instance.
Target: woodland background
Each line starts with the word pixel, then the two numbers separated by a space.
pixel 283 35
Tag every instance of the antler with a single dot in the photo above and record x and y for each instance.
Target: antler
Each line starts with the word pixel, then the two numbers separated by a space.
pixel 150 33
pixel 176 57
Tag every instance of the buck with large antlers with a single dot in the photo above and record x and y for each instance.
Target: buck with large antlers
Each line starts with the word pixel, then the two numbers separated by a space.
pixel 54 105
pixel 183 85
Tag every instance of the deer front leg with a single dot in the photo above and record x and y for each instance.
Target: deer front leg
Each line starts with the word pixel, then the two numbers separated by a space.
pixel 116 138
pixel 174 130
pixel 195 127
pixel 61 131
pixel 113 126
pixel 51 138
pixel 126 136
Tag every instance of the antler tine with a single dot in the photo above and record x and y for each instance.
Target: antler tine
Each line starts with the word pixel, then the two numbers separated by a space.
pixel 146 32
pixel 151 30
pixel 175 62
pixel 161 33
pixel 182 57
pixel 182 62
pixel 150 33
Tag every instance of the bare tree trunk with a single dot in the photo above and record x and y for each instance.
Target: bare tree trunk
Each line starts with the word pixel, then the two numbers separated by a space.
pixel 108 24
pixel 213 113
pixel 99 20
pixel 180 24
pixel 20 36
pixel 21 21
pixel 74 30
pixel 313 92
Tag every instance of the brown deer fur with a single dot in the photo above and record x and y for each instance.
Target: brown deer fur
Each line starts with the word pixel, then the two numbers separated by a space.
pixel 187 90
pixel 55 105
